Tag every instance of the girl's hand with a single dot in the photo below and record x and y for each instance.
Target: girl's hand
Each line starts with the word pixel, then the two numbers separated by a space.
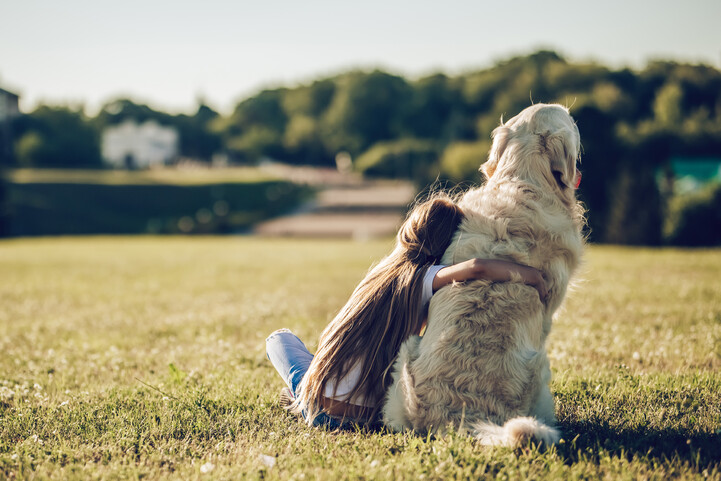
pixel 501 271
pixel 492 270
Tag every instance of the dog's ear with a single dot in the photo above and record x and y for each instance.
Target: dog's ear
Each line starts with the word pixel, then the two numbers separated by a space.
pixel 562 150
pixel 500 138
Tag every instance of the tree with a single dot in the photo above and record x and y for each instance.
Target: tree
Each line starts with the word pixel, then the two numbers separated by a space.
pixel 631 121
pixel 4 205
pixel 302 141
pixel 462 160
pixel 695 219
pixel 366 108
pixel 198 138
pixel 432 110
pixel 256 127
pixel 120 110
pixel 57 137
pixel 404 158
pixel 667 105
pixel 310 100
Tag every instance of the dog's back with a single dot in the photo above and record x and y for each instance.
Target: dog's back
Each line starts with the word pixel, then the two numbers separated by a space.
pixel 481 364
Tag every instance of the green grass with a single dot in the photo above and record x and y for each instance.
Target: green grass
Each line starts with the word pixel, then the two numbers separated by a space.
pixel 144 358
pixel 62 202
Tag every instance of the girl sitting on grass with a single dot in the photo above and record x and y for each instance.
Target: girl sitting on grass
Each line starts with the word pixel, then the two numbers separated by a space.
pixel 346 381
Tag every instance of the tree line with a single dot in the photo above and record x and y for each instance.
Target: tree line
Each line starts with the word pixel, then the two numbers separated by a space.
pixel 632 124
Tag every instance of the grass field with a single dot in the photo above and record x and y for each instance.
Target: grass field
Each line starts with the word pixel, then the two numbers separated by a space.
pixel 141 357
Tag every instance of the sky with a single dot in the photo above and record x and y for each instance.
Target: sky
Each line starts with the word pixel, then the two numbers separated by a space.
pixel 170 54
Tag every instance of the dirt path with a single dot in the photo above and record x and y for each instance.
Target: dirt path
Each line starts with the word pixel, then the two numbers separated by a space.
pixel 346 206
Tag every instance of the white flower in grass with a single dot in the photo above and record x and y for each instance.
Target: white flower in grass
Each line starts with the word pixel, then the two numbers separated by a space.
pixel 207 467
pixel 268 461
pixel 6 393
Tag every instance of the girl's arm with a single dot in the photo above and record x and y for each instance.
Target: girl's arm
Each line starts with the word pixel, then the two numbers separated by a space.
pixel 492 270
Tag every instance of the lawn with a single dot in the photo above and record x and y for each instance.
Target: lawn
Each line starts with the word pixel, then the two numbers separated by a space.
pixel 143 357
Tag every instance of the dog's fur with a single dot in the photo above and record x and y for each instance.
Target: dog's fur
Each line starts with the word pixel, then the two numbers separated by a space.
pixel 482 362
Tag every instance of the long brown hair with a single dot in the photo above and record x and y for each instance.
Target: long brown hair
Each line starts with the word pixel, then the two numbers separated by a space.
pixel 382 311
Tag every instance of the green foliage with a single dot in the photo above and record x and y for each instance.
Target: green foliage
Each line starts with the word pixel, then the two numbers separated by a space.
pixel 6 142
pixel 4 207
pixel 667 105
pixel 123 109
pixel 255 142
pixel 57 137
pixel 461 160
pixel 366 108
pixel 28 147
pixel 255 129
pixel 695 219
pixel 264 109
pixel 199 138
pixel 91 327
pixel 302 131
pixel 176 375
pixel 302 142
pixel 405 158
pixel 107 203
pixel 310 100
pixel 631 122
pixel 635 209
pixel 433 109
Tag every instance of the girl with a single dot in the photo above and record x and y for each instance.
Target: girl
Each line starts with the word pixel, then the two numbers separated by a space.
pixel 346 381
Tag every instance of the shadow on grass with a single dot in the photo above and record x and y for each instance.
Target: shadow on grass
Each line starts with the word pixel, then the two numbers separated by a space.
pixel 588 441
pixel 701 450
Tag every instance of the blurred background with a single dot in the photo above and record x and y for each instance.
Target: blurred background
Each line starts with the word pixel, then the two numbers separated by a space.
pixel 181 118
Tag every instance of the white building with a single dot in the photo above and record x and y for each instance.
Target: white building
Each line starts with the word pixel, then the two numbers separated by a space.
pixel 139 146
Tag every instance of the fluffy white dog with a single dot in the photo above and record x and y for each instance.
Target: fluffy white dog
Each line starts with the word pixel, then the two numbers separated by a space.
pixel 482 362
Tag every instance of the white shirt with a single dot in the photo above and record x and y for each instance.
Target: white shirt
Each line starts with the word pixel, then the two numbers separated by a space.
pixel 428 283
pixel 351 379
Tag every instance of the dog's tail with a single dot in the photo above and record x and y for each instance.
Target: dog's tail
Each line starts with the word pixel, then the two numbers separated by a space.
pixel 516 432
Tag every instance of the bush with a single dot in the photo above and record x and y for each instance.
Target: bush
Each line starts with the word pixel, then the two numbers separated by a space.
pixel 88 207
pixel 635 213
pixel 4 209
pixel 461 160
pixel 695 219
pixel 405 158
pixel 57 137
pixel 254 144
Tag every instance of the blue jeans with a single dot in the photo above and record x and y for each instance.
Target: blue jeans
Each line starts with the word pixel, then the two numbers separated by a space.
pixel 291 359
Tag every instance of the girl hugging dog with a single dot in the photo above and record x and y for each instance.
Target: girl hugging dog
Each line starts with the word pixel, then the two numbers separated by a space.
pixel 345 382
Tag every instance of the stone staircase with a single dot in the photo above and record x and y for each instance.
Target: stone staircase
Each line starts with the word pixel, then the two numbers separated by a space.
pixel 346 206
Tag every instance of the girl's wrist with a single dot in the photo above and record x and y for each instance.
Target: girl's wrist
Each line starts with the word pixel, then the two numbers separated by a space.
pixel 478 269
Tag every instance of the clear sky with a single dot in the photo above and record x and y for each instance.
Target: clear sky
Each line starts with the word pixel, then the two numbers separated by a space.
pixel 170 53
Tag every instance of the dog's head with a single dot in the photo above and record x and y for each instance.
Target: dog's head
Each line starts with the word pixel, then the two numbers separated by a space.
pixel 541 144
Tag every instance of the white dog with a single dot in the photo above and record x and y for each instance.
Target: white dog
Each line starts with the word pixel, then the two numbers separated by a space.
pixel 482 362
